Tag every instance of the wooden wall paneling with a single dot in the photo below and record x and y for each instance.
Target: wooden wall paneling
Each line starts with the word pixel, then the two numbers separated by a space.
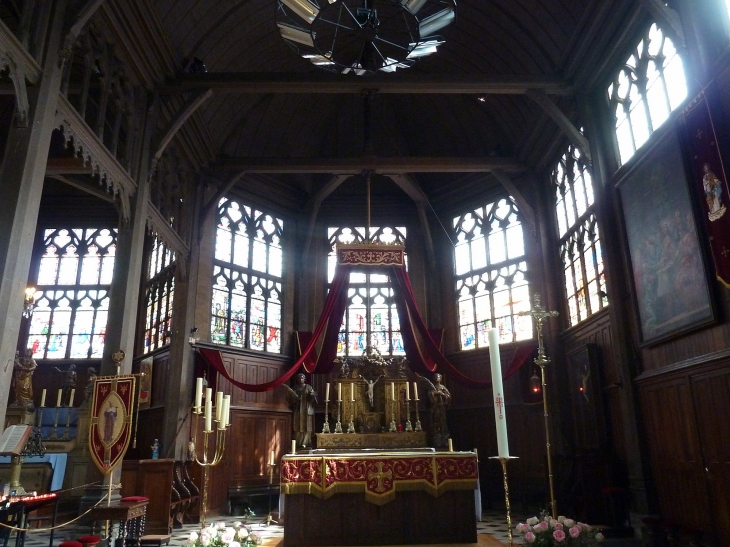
pixel 711 395
pixel 149 428
pixel 160 371
pixel 674 448
pixel 254 369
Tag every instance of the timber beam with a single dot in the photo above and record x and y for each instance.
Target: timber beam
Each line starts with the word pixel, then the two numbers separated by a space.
pixel 178 120
pixel 246 82
pixel 356 165
pixel 414 191
pixel 316 201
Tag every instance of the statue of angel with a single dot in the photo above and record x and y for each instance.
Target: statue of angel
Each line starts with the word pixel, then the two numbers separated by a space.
pixel 439 398
pixel 371 385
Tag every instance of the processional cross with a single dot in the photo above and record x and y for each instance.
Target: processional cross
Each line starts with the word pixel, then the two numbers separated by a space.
pixel 540 314
pixel 380 475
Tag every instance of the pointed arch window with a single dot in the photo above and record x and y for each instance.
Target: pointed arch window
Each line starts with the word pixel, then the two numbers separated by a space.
pixel 371 317
pixel 159 296
pixel 72 293
pixel 649 86
pixel 491 275
pixel 247 278
pixel 580 244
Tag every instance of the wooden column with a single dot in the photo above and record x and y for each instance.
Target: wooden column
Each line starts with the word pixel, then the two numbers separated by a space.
pixel 21 186
pixel 124 293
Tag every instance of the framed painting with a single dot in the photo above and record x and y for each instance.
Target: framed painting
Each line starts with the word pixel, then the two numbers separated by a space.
pixel 668 263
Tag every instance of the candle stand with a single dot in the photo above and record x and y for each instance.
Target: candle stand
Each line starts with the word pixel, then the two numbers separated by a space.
pixel 202 460
pixel 351 424
pixel 418 418
pixel 409 425
pixel 268 520
pixel 504 462
pixel 391 427
pixel 338 425
pixel 539 314
pixel 68 425
pixel 54 433
pixel 326 427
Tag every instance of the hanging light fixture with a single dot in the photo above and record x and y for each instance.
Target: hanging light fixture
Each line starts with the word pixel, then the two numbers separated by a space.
pixel 364 36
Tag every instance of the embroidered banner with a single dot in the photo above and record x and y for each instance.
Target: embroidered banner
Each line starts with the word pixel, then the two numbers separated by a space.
pixel 111 421
pixel 379 477
pixel 371 255
pixel 709 180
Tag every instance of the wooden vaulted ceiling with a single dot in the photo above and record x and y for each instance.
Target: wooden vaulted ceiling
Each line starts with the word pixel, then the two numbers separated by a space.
pixel 561 41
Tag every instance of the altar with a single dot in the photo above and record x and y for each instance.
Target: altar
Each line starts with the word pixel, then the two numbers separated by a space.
pixel 363 497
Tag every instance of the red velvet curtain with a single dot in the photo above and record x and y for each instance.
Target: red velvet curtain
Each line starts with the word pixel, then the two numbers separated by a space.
pixel 422 349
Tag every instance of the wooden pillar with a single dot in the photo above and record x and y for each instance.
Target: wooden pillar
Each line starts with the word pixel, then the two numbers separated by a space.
pixel 125 287
pixel 21 186
pixel 600 124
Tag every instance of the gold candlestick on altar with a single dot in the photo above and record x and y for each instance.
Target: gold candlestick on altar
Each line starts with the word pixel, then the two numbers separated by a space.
pixel 417 427
pixel 54 433
pixel 68 425
pixel 326 427
pixel 539 314
pixel 504 462
pixel 219 430
pixel 392 428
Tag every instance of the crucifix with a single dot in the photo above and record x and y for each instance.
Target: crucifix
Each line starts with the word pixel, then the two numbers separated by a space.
pixel 540 314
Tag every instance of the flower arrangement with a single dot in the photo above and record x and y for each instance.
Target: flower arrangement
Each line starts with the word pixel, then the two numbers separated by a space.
pixel 548 532
pixel 220 535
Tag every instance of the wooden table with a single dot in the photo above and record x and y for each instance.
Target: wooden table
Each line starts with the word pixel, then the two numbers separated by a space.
pixel 129 515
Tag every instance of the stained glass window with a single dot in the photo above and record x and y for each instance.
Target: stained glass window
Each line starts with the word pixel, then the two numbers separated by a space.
pixel 491 275
pixel 159 293
pixel 371 317
pixel 646 90
pixel 247 278
pixel 72 296
pixel 580 245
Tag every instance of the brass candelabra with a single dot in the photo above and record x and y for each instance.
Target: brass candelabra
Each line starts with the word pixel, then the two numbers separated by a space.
pixel 326 427
pixel 539 315
pixel 219 430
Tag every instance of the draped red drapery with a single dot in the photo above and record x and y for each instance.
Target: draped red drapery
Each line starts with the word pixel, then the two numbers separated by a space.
pixel 423 352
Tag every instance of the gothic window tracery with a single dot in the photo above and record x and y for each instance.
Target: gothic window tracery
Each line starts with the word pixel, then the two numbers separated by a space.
pixel 247 278
pixel 371 317
pixel 491 275
pixel 580 245
pixel 649 86
pixel 159 296
pixel 72 293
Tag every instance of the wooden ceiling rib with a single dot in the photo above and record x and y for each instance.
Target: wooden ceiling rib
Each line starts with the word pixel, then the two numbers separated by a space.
pixel 271 104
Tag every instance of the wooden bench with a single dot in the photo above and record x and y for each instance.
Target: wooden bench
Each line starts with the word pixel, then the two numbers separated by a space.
pixel 154 540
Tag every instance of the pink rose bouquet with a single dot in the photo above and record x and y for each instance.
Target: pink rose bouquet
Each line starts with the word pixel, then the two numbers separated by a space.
pixel 563 532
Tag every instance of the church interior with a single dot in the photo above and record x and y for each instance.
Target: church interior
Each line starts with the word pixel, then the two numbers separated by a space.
pixel 371 259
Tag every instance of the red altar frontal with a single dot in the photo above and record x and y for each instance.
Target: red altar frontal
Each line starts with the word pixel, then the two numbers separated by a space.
pixel 379 498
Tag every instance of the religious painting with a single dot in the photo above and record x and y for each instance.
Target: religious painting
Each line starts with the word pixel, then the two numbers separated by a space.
pixel 145 382
pixel 111 421
pixel 667 260
pixel 709 182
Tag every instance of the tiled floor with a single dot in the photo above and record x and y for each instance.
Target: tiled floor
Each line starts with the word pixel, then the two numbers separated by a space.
pixel 493 523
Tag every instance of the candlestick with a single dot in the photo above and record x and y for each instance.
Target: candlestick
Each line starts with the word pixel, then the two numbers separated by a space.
pixel 504 462
pixel 227 415
pixel 224 414
pixel 198 395
pixel 408 391
pixel 352 392
pixel 71 398
pixel 327 394
pixel 392 391
pixel 208 414
pixel 58 399
pixel 338 425
pixel 500 416
pixel 415 391
pixel 43 398
pixel 339 391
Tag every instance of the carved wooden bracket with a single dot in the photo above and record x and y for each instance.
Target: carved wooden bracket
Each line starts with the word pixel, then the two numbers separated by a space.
pixel 21 66
pixel 92 150
pixel 414 191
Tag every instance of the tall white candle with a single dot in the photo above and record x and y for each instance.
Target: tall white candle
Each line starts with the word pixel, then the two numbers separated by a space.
pixel 71 398
pixel 227 410
pixel 218 406
pixel 199 393
pixel 271 458
pixel 451 445
pixel 208 393
pixel 43 398
pixel 294 447
pixel 327 393
pixel 392 391
pixel 408 391
pixel 415 390
pixel 58 399
pixel 339 391
pixel 209 414
pixel 500 417
pixel 352 392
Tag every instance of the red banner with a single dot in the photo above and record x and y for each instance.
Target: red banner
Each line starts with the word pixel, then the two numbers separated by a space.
pixel 709 181
pixel 371 255
pixel 379 477
pixel 111 421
